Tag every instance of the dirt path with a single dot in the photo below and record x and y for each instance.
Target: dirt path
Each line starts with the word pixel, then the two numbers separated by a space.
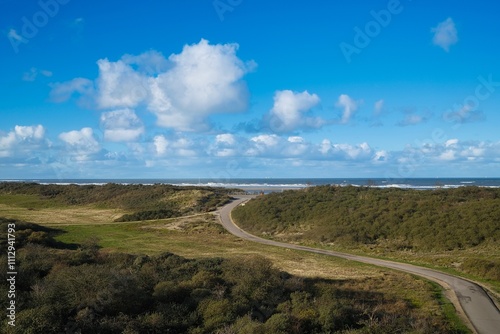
pixel 470 300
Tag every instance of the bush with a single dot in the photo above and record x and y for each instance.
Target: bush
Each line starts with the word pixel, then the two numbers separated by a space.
pixel 419 220
pixel 148 215
pixel 156 201
pixel 489 269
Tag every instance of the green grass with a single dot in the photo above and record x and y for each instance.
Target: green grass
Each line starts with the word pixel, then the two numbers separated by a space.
pixel 60 215
pixel 28 201
pixel 441 261
pixel 205 239
pixel 449 310
pixel 136 238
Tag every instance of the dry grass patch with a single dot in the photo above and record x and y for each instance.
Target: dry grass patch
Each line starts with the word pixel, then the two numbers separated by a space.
pixel 200 223
pixel 186 199
pixel 61 216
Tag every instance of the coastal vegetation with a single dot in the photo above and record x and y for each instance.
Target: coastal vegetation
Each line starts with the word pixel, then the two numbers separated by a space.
pixel 87 288
pixel 137 201
pixel 455 228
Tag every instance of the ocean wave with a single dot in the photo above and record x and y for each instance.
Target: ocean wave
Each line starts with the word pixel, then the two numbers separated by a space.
pixel 242 185
pixel 282 184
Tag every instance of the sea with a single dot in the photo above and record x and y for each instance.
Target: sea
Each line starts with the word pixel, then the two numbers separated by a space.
pixel 279 184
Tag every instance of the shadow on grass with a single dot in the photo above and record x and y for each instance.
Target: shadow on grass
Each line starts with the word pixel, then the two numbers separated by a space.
pixel 25 232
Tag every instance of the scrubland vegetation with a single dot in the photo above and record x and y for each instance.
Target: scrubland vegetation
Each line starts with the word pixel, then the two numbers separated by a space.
pixel 142 202
pixel 455 228
pixel 82 288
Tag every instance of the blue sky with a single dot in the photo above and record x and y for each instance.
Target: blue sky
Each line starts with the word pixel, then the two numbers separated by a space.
pixel 236 88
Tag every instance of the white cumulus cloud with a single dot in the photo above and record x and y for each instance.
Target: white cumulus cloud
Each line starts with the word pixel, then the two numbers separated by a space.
pixel 296 139
pixel 7 143
pixel 451 150
pixel 225 138
pixel 226 145
pixel 25 132
pixel 325 146
pixel 119 85
pixel 297 146
pixel 349 107
pixel 161 145
pixel 204 79
pixel 149 63
pixel 344 151
pixel 81 144
pixel 380 156
pixel 121 125
pixel 182 90
pixel 289 108
pixel 22 141
pixel 448 155
pixel 62 91
pixel 263 145
pixel 445 34
pixel 362 150
pixel 266 140
pixel 175 146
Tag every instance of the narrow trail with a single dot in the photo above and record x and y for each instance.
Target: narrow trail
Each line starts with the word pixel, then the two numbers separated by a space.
pixel 470 299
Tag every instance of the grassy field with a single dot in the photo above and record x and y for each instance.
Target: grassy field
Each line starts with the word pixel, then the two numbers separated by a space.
pixel 196 236
pixel 449 261
pixel 202 236
pixel 62 216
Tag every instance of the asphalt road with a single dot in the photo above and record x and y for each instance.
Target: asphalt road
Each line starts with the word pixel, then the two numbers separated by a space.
pixel 467 296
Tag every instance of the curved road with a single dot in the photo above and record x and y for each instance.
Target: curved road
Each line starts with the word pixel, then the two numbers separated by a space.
pixel 469 297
